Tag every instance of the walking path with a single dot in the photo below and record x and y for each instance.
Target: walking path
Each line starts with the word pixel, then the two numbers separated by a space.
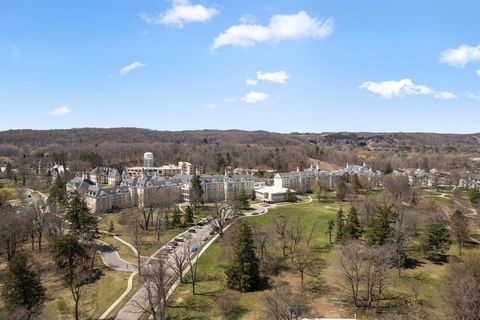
pixel 131 310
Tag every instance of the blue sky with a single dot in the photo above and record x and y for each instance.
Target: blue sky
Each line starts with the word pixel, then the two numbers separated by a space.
pixel 312 65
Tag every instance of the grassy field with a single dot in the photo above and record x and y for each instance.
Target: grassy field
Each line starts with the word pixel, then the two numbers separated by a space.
pixel 211 284
pixel 419 285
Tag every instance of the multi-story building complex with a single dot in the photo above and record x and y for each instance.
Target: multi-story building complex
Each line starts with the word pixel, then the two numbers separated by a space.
pixel 304 181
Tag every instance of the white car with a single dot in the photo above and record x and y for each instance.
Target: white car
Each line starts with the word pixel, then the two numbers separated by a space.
pixel 169 247
pixel 204 238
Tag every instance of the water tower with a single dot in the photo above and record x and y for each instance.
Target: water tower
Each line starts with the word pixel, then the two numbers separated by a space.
pixel 148 161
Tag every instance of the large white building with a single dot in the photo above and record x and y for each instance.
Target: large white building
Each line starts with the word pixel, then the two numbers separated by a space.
pixel 304 181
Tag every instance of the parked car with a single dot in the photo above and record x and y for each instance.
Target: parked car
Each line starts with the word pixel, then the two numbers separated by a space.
pixel 211 233
pixel 179 239
pixel 204 238
pixel 192 230
pixel 194 248
pixel 169 247
pixel 255 213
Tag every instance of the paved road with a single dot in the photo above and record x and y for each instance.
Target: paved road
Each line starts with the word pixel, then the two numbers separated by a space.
pixel 131 310
pixel 112 259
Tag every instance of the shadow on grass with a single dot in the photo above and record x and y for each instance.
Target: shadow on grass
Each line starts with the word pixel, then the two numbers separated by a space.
pixel 439 260
pixel 412 263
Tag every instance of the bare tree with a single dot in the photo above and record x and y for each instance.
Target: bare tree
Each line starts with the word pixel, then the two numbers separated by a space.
pixel 178 261
pixel 281 224
pixel 295 233
pixel 461 289
pixel 220 218
pixel 397 186
pixel 459 226
pixel 157 285
pixel 38 218
pixel 193 268
pixel 137 237
pixel 282 304
pixel 12 230
pixel 312 232
pixel 303 259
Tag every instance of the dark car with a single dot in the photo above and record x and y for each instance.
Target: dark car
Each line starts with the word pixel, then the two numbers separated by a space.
pixel 192 230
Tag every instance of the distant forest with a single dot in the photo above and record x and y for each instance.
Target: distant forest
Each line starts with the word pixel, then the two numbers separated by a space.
pixel 215 149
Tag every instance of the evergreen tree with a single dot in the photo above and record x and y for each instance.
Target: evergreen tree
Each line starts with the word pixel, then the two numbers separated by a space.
pixel 253 197
pixel 243 199
pixel 435 240
pixel 176 218
pixel 341 190
pixel 380 230
pixel 388 168
pixel 58 191
pixel 353 230
pixel 196 193
pixel 189 215
pixel 82 221
pixel 22 287
pixel 330 227
pixel 243 269
pixel 340 232
pixel 290 196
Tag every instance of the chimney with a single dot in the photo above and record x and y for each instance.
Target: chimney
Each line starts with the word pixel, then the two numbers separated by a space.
pixel 298 169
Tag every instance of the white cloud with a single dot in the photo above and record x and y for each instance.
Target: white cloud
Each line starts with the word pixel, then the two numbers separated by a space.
pixel 460 56
pixel 475 97
pixel 254 97
pixel 211 106
pixel 280 27
pixel 389 89
pixel 60 111
pixel 180 13
pixel 251 82
pixel 230 99
pixel 478 72
pixel 279 76
pixel 446 95
pixel 130 67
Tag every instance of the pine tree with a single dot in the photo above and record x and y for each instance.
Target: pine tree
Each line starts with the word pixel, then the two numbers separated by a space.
pixel 196 192
pixel 82 221
pixel 380 230
pixel 435 240
pixel 58 191
pixel 176 218
pixel 353 230
pixel 330 227
pixel 340 232
pixel 341 190
pixel 253 197
pixel 188 215
pixel 243 199
pixel 243 270
pixel 22 287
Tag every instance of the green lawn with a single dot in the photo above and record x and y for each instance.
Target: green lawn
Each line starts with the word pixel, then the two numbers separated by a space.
pixel 211 267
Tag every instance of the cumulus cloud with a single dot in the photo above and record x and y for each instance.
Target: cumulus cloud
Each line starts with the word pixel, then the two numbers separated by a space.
pixel 254 97
pixel 279 76
pixel 60 111
pixel 390 89
pixel 459 57
pixel 280 27
pixel 182 12
pixel 130 67
pixel 251 82
pixel 211 106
